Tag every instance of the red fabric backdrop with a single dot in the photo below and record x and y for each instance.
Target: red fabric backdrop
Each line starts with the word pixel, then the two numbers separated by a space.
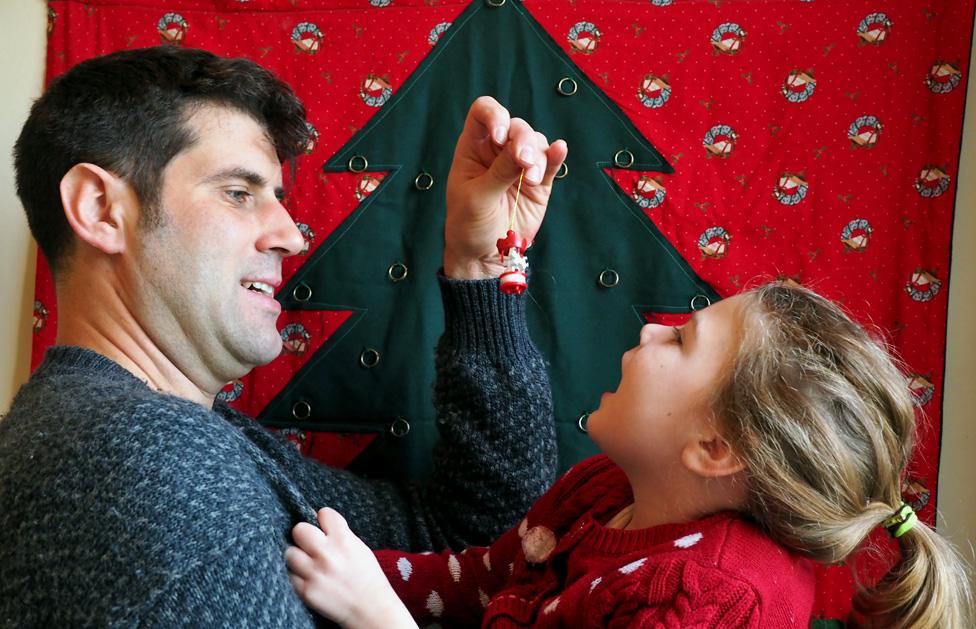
pixel 816 140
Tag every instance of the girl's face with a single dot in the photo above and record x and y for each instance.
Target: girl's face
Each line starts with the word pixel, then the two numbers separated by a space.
pixel 666 386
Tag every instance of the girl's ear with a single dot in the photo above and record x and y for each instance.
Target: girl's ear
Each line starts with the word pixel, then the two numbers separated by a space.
pixel 95 203
pixel 711 456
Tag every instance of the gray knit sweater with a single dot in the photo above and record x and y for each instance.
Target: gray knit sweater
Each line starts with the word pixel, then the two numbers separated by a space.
pixel 123 506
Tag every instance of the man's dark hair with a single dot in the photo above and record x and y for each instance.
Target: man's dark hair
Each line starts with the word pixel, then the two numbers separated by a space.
pixel 127 112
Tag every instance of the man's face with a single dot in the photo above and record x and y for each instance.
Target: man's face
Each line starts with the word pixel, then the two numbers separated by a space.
pixel 203 281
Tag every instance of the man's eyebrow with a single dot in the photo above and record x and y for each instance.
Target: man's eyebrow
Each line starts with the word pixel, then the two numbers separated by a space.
pixel 246 175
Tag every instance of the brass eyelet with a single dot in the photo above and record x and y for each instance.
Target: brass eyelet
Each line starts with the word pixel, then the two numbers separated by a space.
pixel 302 292
pixel 369 358
pixel 397 272
pixel 424 181
pixel 623 158
pixel 400 427
pixel 301 410
pixel 355 160
pixel 695 300
pixel 608 278
pixel 582 421
pixel 567 86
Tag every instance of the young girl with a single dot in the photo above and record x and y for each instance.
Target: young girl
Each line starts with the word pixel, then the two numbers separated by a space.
pixel 768 431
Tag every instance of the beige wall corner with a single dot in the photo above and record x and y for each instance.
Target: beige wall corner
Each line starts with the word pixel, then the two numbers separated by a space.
pixel 957 474
pixel 22 75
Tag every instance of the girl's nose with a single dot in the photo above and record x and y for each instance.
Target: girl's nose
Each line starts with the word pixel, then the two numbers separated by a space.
pixel 652 332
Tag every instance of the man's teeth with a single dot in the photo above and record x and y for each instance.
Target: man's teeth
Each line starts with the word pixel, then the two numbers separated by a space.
pixel 260 287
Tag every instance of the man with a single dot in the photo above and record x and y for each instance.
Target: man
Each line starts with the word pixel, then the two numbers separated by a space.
pixel 152 182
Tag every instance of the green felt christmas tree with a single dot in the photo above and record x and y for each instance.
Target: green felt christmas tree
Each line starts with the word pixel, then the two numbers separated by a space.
pixel 598 263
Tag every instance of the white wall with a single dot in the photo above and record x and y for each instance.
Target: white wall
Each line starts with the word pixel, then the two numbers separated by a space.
pixel 957 475
pixel 22 49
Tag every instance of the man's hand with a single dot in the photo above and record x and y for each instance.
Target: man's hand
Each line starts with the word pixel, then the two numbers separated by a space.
pixel 338 576
pixel 490 155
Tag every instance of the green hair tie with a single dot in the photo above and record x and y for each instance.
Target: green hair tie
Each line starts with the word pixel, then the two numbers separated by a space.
pixel 901 521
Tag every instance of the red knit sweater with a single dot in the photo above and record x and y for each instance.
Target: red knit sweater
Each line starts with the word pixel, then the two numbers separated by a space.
pixel 561 567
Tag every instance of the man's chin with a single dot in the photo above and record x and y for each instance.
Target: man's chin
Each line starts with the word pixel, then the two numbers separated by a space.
pixel 273 351
pixel 256 354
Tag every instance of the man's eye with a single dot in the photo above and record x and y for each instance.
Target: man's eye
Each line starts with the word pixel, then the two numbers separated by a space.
pixel 239 196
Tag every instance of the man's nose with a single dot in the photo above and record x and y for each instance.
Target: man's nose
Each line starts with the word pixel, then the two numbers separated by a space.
pixel 281 233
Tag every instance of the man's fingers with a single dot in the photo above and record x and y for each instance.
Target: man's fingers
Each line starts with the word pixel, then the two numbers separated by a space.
pixel 521 153
pixel 486 117
pixel 528 146
pixel 555 156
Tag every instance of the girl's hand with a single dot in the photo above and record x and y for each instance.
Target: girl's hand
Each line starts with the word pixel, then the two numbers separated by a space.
pixel 337 575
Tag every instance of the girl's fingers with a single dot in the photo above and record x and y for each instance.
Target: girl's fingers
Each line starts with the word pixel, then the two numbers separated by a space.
pixel 298 562
pixel 309 538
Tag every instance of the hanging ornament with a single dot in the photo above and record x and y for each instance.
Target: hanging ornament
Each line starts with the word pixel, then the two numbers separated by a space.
pixel 512 247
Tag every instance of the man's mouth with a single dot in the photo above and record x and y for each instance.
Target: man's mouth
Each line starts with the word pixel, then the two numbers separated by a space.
pixel 259 287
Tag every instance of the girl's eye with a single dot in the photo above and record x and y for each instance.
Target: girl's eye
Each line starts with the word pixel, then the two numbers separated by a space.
pixel 677 335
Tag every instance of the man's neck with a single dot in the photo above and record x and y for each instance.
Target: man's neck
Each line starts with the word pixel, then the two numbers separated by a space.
pixel 113 331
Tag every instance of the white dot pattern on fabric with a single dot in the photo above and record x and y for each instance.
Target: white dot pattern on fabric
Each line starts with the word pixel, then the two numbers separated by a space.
pixel 633 565
pixel 486 559
pixel 454 567
pixel 405 567
pixel 435 604
pixel 595 583
pixel 483 598
pixel 538 544
pixel 688 540
pixel 551 607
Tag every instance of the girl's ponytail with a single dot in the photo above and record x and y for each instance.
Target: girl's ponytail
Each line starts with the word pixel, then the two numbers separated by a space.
pixel 928 588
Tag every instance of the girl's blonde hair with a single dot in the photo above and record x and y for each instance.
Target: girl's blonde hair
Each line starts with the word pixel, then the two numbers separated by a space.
pixel 823 419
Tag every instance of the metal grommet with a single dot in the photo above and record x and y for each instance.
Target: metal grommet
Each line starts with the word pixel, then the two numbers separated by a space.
pixel 563 171
pixel 369 358
pixel 567 86
pixel 582 421
pixel 424 181
pixel 400 427
pixel 623 158
pixel 397 272
pixel 302 292
pixel 301 410
pixel 494 3
pixel 353 163
pixel 696 304
pixel 608 278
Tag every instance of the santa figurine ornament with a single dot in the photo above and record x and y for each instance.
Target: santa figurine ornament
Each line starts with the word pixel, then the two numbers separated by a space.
pixel 512 247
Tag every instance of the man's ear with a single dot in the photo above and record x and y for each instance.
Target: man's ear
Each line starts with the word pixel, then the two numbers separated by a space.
pixel 96 204
pixel 710 455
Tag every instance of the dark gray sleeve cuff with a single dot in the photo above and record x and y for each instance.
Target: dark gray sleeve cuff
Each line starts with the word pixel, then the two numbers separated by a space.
pixel 479 317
